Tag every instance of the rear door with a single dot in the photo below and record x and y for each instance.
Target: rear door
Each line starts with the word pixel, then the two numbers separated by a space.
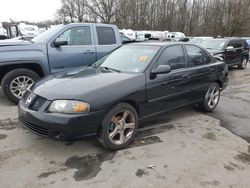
pixel 202 71
pixel 79 51
pixel 107 40
pixel 168 91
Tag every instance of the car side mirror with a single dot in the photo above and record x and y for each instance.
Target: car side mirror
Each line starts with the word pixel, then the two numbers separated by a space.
pixel 60 42
pixel 230 48
pixel 161 69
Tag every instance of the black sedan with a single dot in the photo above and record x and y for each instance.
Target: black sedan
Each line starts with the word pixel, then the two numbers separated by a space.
pixel 110 97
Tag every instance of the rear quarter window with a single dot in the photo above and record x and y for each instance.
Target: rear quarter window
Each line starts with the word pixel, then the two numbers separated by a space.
pixel 106 35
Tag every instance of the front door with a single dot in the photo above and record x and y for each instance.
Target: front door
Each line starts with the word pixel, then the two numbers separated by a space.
pixel 79 51
pixel 231 54
pixel 169 91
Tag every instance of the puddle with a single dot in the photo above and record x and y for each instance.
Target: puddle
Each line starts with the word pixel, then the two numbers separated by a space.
pixel 88 166
pixel 3 136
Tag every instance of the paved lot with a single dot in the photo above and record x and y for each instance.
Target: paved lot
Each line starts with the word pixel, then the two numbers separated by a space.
pixel 187 148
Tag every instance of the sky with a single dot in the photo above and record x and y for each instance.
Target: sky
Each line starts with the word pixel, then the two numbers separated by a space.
pixel 28 10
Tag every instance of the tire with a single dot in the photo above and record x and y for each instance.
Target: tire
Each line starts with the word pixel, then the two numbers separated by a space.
pixel 211 99
pixel 112 127
pixel 243 63
pixel 24 77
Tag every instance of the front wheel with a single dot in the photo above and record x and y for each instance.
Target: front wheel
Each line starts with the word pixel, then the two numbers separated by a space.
pixel 119 127
pixel 16 82
pixel 243 63
pixel 211 98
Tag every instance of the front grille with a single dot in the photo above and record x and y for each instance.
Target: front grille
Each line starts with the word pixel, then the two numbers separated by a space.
pixel 34 128
pixel 32 101
pixel 37 103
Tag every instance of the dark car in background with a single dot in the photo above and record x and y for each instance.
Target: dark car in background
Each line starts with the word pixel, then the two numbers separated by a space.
pixel 134 82
pixel 232 51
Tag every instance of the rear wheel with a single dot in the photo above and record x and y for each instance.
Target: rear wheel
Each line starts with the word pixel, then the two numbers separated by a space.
pixel 243 63
pixel 211 98
pixel 119 127
pixel 16 82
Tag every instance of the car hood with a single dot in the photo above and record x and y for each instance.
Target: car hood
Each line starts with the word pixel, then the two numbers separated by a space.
pixel 214 51
pixel 5 43
pixel 88 84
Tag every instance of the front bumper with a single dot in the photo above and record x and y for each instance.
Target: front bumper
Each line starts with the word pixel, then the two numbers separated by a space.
pixel 60 126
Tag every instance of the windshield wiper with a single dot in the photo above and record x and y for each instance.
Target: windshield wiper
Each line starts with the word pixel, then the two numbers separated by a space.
pixel 108 68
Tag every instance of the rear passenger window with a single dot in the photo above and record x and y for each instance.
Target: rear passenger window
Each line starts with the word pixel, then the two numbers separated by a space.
pixel 173 56
pixel 207 58
pixel 195 55
pixel 106 35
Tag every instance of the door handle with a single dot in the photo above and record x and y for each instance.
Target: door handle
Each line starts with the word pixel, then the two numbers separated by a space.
pixel 89 52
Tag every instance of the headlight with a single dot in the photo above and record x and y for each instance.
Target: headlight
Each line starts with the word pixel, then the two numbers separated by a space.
pixel 69 107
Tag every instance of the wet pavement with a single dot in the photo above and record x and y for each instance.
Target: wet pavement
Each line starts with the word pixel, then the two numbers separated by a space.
pixel 234 108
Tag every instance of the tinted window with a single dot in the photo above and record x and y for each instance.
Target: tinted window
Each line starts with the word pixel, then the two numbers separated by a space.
pixel 106 35
pixel 195 55
pixel 238 44
pixel 207 58
pixel 173 56
pixel 77 36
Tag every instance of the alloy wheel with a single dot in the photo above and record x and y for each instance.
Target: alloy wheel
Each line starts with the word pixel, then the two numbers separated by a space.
pixel 19 85
pixel 121 127
pixel 213 96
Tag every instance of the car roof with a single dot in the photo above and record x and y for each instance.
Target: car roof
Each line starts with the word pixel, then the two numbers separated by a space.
pixel 160 44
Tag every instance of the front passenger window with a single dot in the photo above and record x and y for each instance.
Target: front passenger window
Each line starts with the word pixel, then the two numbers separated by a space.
pixel 77 36
pixel 173 56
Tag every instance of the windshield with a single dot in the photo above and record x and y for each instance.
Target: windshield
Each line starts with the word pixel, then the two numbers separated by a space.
pixel 196 41
pixel 45 36
pixel 213 44
pixel 133 59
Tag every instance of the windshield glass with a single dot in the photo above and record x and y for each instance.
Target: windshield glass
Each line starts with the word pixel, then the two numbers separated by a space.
pixel 213 44
pixel 43 37
pixel 133 59
pixel 196 41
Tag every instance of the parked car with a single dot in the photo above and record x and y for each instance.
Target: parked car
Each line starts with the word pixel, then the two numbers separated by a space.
pixel 132 83
pixel 232 51
pixel 57 49
pixel 125 40
pixel 128 33
pixel 198 40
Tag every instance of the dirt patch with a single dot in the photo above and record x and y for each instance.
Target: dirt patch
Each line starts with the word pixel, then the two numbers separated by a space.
pixel 243 157
pixel 69 144
pixel 141 172
pixel 209 136
pixel 47 174
pixel 228 167
pixel 9 124
pixel 3 136
pixel 145 141
pixel 88 166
